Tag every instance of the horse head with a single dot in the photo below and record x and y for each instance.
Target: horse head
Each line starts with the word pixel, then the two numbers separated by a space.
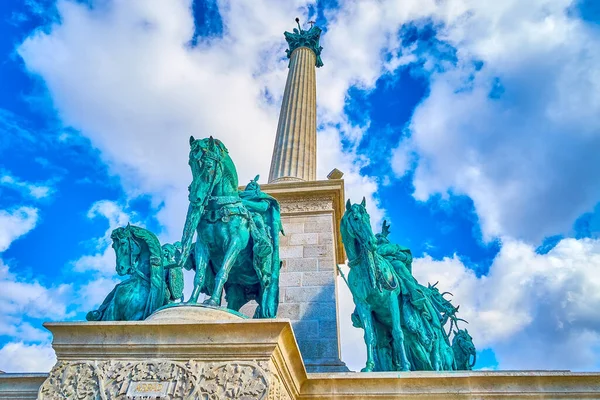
pixel 361 245
pixel 127 250
pixel 356 228
pixel 207 162
pixel 463 342
pixel 134 247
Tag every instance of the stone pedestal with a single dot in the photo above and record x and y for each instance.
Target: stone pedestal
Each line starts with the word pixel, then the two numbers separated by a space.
pixel 185 352
pixel 194 352
pixel 311 214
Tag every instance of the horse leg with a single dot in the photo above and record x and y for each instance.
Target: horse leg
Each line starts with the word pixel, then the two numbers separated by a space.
pixel 234 294
pixel 230 255
pixel 201 260
pixel 399 351
pixel 366 317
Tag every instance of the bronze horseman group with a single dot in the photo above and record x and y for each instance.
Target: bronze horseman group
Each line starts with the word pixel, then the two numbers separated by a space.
pixel 236 252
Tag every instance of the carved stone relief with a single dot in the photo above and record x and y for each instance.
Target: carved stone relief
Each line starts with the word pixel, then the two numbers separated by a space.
pixel 306 204
pixel 187 380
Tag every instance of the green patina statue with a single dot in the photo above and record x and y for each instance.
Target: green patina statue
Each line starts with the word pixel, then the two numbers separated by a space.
pixel 238 234
pixel 301 38
pixel 403 320
pixel 153 282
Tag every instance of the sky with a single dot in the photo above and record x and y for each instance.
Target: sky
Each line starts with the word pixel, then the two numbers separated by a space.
pixel 472 126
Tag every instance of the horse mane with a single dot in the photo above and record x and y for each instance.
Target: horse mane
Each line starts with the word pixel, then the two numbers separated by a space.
pixel 140 233
pixel 223 155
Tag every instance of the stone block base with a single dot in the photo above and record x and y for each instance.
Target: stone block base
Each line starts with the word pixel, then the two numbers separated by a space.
pixel 205 353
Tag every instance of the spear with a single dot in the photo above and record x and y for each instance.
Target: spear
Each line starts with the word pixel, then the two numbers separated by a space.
pixel 343 276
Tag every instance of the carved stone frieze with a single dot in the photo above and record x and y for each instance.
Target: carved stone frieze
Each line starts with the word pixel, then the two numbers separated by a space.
pixel 306 204
pixel 277 390
pixel 186 380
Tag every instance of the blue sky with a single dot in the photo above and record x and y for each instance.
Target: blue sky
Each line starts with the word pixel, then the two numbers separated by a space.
pixel 472 126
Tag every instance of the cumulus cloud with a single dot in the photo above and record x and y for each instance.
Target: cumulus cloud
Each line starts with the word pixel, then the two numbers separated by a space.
pixel 14 223
pixel 102 261
pixel 126 76
pixel 22 357
pixel 514 124
pixel 23 299
pixel 535 311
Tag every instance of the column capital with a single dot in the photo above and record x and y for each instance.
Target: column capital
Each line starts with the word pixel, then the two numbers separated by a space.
pixel 301 38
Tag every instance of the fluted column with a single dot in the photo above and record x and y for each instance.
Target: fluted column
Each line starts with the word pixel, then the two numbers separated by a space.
pixel 294 153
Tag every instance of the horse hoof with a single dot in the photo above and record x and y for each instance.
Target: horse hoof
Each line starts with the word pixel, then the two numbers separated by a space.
pixel 368 368
pixel 210 302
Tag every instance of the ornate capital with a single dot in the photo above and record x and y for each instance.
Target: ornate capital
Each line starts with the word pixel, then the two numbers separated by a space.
pixel 301 38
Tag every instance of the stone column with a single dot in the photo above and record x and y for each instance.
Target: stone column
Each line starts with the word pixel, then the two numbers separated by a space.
pixel 294 153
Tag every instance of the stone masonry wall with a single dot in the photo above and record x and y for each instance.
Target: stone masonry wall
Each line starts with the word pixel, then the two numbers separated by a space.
pixel 310 213
pixel 307 289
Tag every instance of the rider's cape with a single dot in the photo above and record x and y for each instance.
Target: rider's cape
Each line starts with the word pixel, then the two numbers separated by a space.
pixel 271 216
pixel 273 222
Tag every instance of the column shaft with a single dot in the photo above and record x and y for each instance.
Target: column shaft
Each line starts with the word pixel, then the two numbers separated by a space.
pixel 294 153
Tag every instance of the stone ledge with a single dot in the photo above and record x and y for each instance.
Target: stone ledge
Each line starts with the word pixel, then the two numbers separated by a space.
pixel 392 385
pixel 452 385
pixel 20 386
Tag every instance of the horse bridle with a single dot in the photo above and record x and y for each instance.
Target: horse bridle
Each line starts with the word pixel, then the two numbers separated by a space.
pixel 134 270
pixel 365 253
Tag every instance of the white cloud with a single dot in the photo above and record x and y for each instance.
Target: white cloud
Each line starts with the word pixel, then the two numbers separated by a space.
pixel 21 357
pixel 527 155
pixel 23 299
pixel 33 190
pixel 124 75
pixel 535 311
pixel 21 296
pixel 103 260
pixel 15 223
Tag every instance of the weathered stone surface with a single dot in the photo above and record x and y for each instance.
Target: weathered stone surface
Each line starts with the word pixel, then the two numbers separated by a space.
pixel 289 310
pixel 324 278
pixel 301 264
pixel 292 225
pixel 320 311
pixel 328 329
pixel 290 279
pixel 301 239
pixel 304 294
pixel 322 251
pixel 325 264
pixel 318 227
pixel 306 329
pixel 291 251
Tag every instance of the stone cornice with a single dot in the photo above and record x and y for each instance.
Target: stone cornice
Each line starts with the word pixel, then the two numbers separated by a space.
pixel 312 197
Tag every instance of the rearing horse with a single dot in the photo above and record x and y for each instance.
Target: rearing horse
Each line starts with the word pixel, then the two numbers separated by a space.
pixel 223 253
pixel 374 285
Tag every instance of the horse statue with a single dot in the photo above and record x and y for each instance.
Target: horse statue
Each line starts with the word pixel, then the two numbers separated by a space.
pixel 424 311
pixel 139 255
pixel 463 348
pixel 375 289
pixel 237 250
